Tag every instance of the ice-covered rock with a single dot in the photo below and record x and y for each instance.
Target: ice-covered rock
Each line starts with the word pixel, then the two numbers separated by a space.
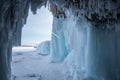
pixel 76 41
pixel 43 48
pixel 88 37
pixel 90 49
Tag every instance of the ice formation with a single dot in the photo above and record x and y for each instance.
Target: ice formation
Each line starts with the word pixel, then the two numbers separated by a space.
pixel 91 40
pixel 43 48
pixel 86 36
pixel 58 46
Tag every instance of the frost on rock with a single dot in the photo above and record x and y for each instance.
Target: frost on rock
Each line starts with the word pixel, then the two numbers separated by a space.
pixel 98 12
pixel 43 48
pixel 76 40
pixel 93 53
pixel 36 4
pixel 5 40
pixel 13 15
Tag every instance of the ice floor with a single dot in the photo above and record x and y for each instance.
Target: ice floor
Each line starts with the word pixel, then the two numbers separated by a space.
pixel 28 65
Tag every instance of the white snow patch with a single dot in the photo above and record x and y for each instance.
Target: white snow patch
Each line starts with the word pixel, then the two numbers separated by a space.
pixel 28 65
pixel 22 49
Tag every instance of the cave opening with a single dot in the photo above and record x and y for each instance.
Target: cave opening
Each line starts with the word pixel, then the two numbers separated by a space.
pixel 38 27
pixel 26 58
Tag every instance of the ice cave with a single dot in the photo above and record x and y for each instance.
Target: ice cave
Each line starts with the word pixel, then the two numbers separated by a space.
pixel 84 45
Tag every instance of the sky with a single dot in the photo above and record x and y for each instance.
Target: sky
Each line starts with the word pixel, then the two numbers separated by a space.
pixel 38 27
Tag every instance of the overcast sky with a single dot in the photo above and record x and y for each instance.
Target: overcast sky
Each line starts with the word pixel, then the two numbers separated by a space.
pixel 38 27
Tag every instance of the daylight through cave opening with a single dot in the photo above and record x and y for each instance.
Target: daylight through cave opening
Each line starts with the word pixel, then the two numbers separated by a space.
pixel 35 35
pixel 38 27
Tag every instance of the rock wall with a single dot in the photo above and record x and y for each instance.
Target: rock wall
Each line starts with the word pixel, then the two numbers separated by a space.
pixel 13 15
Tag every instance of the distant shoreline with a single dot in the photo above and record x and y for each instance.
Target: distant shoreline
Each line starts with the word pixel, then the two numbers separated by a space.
pixel 35 46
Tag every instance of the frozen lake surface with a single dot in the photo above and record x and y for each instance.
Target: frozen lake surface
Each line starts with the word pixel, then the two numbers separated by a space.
pixel 28 65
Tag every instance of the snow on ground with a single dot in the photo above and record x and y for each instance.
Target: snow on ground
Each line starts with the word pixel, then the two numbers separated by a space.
pixel 28 65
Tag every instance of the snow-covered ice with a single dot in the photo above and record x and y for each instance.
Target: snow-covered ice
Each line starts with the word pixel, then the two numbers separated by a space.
pixel 28 65
pixel 43 48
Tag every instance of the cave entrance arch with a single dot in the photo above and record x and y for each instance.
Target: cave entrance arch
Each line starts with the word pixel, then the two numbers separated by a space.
pixel 37 29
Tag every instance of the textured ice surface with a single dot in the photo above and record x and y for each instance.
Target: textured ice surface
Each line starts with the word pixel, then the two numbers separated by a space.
pixel 58 47
pixel 43 48
pixel 90 53
pixel 76 40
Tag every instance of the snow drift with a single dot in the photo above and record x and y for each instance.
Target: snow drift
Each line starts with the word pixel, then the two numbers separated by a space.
pixel 43 48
